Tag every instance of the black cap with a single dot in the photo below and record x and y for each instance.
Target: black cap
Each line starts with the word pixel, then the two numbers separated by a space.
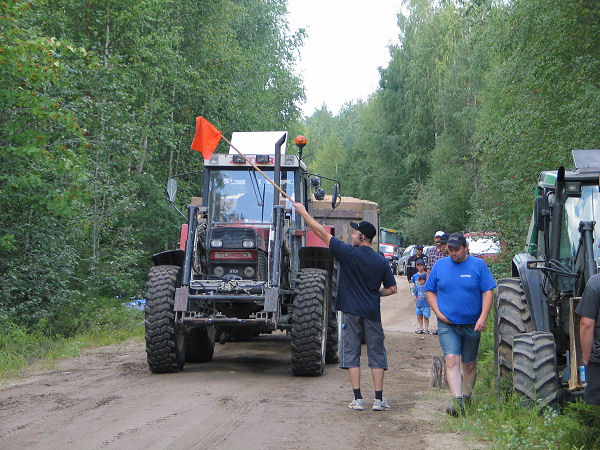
pixel 456 240
pixel 365 228
pixel 419 247
pixel 444 238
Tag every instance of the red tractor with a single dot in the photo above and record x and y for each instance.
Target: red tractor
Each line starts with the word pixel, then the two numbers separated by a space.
pixel 246 265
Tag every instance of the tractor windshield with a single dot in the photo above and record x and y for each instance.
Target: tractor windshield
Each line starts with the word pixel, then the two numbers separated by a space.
pixel 244 195
pixel 579 209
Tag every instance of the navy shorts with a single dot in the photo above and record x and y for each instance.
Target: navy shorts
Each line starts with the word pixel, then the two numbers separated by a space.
pixel 592 388
pixel 354 328
pixel 460 340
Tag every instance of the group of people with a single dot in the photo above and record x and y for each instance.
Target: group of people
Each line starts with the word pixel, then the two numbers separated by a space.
pixel 457 288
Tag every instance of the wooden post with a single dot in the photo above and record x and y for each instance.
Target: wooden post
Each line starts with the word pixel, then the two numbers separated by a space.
pixel 438 372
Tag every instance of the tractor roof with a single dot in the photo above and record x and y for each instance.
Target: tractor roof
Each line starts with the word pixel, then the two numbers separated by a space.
pixel 256 142
pixel 587 169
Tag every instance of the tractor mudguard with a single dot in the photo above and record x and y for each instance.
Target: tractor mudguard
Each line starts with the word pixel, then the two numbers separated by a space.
pixel 532 279
pixel 317 258
pixel 169 258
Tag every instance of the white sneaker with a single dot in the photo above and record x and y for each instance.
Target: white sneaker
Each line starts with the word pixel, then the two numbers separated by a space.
pixel 381 405
pixel 357 404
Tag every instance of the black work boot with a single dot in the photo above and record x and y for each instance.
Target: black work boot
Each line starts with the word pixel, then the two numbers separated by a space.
pixel 456 409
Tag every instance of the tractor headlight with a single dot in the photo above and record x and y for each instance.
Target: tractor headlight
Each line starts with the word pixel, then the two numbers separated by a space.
pixel 216 243
pixel 248 243
pixel 219 271
pixel 249 272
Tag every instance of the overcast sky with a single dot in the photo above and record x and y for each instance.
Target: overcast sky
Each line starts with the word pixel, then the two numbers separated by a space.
pixel 347 41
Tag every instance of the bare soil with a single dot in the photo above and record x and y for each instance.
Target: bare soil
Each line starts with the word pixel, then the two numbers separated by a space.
pixel 246 398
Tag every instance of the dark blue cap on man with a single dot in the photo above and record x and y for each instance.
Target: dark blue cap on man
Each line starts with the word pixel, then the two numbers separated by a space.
pixel 456 240
pixel 422 276
pixel 419 247
pixel 444 238
pixel 365 228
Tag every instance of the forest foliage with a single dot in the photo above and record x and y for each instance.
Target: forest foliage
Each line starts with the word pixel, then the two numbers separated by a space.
pixel 97 108
pixel 479 97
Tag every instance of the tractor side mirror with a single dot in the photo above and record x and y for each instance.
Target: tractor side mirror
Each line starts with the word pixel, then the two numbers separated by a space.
pixel 334 196
pixel 540 211
pixel 320 194
pixel 171 190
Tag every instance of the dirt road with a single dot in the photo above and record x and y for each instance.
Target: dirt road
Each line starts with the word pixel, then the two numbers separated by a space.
pixel 246 398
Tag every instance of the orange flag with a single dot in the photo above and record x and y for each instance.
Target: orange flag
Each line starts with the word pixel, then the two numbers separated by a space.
pixel 207 137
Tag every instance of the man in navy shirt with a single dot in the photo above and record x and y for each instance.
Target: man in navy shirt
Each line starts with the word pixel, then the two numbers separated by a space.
pixel 362 272
pixel 460 292
pixel 589 333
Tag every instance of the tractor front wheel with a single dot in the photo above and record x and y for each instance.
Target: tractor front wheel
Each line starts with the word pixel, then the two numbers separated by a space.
pixel 534 368
pixel 511 317
pixel 165 344
pixel 309 322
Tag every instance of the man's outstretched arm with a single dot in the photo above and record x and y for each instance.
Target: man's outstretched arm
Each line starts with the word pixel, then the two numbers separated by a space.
pixel 312 223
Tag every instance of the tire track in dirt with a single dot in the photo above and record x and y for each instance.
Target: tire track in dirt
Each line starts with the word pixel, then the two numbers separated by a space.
pixel 245 398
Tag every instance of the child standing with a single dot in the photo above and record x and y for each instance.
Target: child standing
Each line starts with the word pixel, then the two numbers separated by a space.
pixel 422 310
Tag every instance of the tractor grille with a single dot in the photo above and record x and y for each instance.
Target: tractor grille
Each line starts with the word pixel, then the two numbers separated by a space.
pixel 233 237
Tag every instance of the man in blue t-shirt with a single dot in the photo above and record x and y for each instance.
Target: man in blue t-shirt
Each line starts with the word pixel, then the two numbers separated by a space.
pixel 460 292
pixel 362 272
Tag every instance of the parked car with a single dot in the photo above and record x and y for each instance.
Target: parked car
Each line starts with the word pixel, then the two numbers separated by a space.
pixel 485 245
pixel 403 260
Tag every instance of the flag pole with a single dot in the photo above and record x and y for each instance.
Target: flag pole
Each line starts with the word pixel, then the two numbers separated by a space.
pixel 256 167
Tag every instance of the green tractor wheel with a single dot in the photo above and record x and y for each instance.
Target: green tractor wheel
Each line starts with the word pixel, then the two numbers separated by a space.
pixel 511 318
pixel 534 368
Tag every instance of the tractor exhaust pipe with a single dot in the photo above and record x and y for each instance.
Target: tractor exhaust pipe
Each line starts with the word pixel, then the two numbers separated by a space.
pixel 277 173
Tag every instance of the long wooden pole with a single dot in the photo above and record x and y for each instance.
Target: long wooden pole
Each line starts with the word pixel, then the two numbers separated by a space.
pixel 256 167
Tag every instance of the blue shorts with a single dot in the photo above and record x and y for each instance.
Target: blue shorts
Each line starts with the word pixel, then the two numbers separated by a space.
pixel 354 328
pixel 423 311
pixel 460 340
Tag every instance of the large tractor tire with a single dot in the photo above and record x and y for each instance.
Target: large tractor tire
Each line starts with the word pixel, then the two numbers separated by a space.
pixel 309 322
pixel 534 368
pixel 165 346
pixel 200 344
pixel 332 355
pixel 511 318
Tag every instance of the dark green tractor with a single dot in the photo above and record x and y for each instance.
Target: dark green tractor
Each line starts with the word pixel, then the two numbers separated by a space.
pixel 536 330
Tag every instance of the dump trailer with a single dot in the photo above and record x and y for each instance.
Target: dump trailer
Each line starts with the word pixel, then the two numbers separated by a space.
pixel 536 331
pixel 349 209
pixel 246 264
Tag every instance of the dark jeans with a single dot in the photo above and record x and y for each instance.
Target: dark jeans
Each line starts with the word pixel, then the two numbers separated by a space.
pixel 592 388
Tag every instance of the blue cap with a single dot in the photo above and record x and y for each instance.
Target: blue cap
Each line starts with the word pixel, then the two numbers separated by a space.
pixel 420 261
pixel 422 276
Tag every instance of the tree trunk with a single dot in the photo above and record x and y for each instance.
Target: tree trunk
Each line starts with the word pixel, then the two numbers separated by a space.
pixel 438 372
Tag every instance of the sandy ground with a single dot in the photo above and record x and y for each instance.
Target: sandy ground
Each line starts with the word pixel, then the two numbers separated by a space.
pixel 246 398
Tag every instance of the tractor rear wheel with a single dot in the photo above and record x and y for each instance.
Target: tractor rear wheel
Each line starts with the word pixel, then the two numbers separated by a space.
pixel 165 345
pixel 200 344
pixel 511 317
pixel 332 355
pixel 534 368
pixel 309 322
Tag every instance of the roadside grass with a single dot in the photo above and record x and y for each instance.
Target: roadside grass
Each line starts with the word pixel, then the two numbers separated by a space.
pixel 502 421
pixel 105 323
